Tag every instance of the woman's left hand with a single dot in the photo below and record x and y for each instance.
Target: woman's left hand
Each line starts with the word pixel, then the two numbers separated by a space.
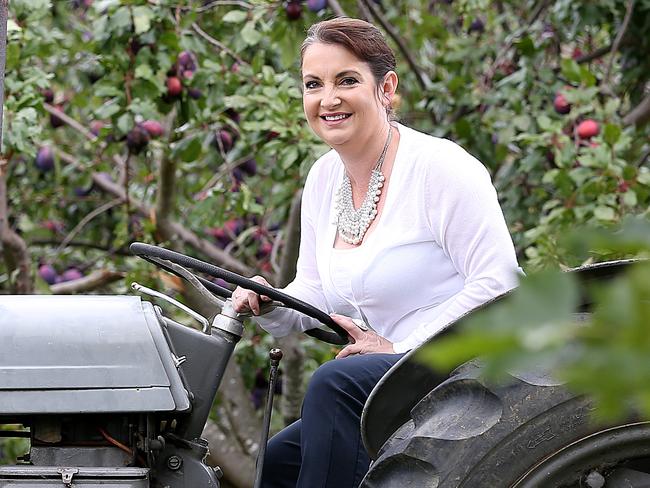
pixel 365 341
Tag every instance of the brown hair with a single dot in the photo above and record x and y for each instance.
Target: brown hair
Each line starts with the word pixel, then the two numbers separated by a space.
pixel 359 37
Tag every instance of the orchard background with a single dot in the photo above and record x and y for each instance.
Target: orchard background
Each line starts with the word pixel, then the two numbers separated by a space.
pixel 179 122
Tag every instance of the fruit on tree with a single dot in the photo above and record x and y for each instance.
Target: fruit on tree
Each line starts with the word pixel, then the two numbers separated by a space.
pixel 477 25
pixel 186 61
pixel 561 105
pixel 48 95
pixel 45 159
pixel 293 10
pixel 96 126
pixel 174 86
pixel 249 167
pixel 316 5
pixel 56 121
pixel 54 226
pixel 71 274
pixel 588 128
pixel 223 139
pixel 137 139
pixel 153 128
pixel 194 93
pixel 233 115
pixel 47 273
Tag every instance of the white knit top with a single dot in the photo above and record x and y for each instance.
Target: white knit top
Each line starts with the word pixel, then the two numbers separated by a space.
pixel 440 248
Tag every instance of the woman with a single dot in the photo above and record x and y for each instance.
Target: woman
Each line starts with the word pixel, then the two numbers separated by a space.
pixel 401 234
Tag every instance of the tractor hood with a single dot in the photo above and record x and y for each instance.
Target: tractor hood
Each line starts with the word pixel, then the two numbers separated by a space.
pixel 85 354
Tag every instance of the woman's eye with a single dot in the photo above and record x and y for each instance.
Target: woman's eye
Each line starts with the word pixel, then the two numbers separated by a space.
pixel 348 81
pixel 310 85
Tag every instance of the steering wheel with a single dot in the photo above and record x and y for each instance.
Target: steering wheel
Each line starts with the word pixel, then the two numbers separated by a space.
pixel 150 252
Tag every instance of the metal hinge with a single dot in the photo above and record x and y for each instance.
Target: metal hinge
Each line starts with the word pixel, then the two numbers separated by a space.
pixel 67 474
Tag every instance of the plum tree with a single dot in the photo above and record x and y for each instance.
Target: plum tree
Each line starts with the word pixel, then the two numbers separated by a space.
pixel 236 144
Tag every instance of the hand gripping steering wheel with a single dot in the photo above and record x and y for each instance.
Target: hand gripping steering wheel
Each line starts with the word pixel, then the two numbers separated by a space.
pixel 150 253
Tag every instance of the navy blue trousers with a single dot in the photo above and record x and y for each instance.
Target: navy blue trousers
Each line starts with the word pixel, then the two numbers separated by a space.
pixel 324 449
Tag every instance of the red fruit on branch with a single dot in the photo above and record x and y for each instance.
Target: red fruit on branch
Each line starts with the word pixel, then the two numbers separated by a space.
pixel 293 10
pixel 588 128
pixel 561 105
pixel 174 86
pixel 153 127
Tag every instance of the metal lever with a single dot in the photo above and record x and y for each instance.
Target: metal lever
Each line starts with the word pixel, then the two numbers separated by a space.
pixel 196 316
pixel 275 355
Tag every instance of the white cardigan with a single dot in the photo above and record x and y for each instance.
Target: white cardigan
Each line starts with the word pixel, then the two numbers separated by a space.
pixel 440 248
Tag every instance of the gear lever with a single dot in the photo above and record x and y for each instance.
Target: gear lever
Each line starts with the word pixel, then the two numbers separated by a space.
pixel 275 355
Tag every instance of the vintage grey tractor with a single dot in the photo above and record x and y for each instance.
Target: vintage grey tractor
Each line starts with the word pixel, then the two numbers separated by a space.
pixel 111 392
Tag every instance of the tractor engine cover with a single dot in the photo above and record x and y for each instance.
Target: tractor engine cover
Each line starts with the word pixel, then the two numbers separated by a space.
pixel 85 354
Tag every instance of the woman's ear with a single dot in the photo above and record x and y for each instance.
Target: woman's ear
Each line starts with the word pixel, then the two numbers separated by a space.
pixel 389 87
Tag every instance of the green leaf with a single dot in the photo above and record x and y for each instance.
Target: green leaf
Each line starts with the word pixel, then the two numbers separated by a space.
pixel 144 71
pixel 107 110
pixel 611 134
pixel 142 16
pixel 235 17
pixel 250 35
pixel 602 212
pixel 187 150
pixel 124 123
pixel 571 70
pixel 643 177
pixel 120 21
pixel 525 46
pixel 629 198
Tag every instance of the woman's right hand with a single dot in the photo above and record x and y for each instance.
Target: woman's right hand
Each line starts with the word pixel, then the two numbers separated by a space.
pixel 244 300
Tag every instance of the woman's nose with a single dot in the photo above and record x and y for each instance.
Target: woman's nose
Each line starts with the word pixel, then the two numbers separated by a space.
pixel 330 98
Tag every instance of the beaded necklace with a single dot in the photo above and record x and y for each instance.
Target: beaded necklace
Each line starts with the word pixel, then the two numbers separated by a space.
pixel 352 223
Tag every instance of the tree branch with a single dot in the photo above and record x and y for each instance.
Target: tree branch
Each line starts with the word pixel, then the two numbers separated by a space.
pixel 122 251
pixel 537 13
pixel 82 223
pixel 336 7
pixel 69 121
pixel 217 44
pixel 598 53
pixel 617 42
pixel 291 345
pixel 365 13
pixel 12 245
pixel 174 228
pixel 419 75
pixel 640 114
pixel 94 280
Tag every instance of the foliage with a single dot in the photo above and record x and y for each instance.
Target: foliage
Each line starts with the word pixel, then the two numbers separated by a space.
pixel 603 353
pixel 217 180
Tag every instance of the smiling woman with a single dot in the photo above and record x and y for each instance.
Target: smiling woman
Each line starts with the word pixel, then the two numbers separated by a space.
pixel 401 233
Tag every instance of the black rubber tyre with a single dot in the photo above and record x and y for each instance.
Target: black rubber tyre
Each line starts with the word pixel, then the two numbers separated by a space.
pixel 528 432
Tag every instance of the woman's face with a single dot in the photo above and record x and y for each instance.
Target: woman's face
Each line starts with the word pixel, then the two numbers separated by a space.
pixel 340 96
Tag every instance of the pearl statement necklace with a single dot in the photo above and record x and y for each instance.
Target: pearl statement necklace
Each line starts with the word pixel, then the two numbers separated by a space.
pixel 352 223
